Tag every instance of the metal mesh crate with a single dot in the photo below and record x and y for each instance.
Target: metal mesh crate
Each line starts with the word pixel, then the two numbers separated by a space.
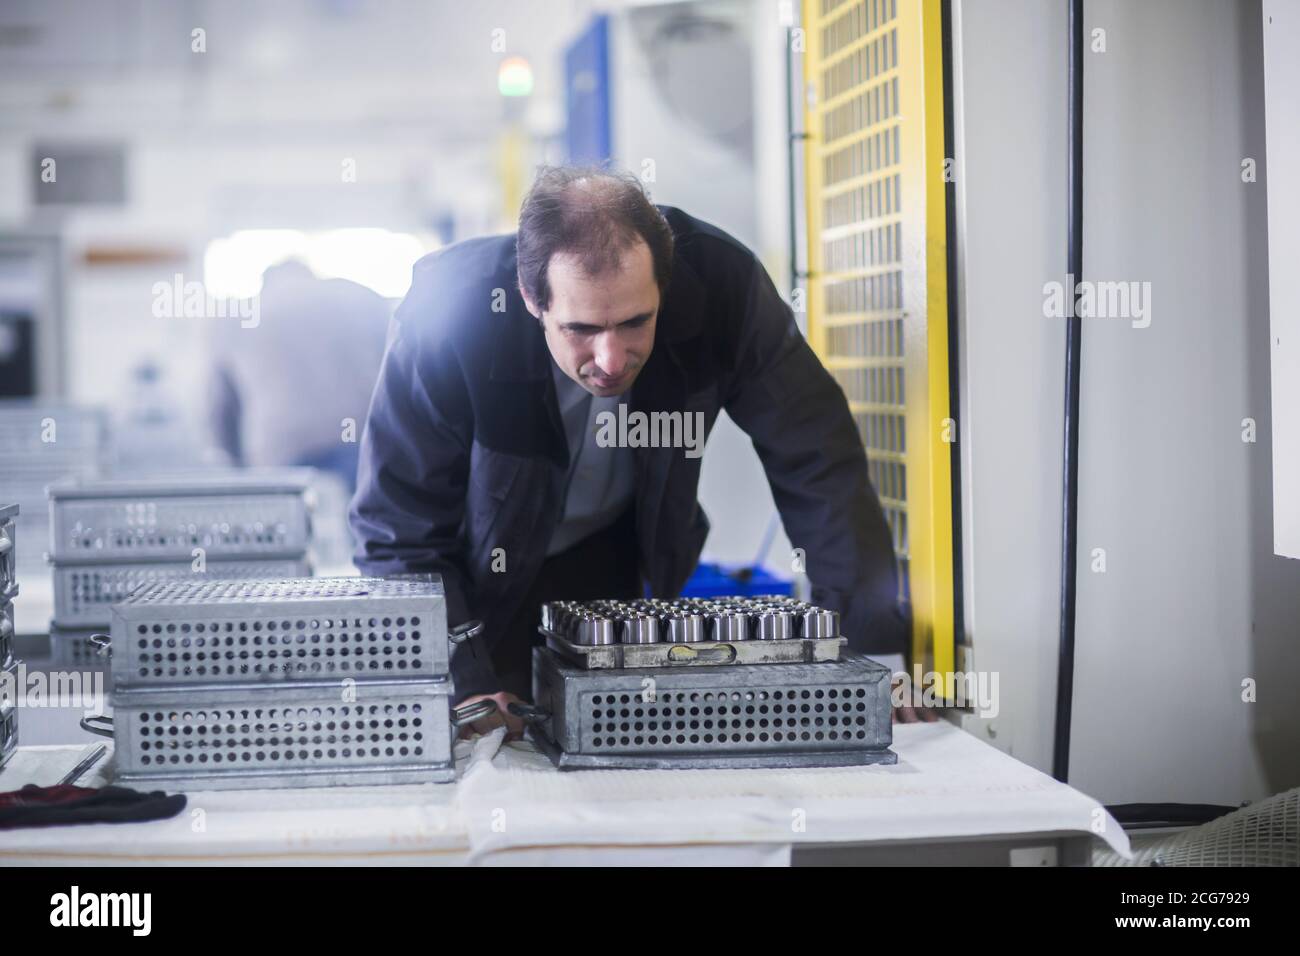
pixel 8 711
pixel 40 444
pixel 291 629
pixel 303 736
pixel 833 713
pixel 7 630
pixel 8 549
pixel 234 516
pixel 84 593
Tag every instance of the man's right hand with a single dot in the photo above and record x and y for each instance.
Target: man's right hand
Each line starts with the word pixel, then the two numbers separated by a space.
pixel 503 699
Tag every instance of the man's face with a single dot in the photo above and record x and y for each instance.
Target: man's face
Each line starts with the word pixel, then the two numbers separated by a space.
pixel 601 329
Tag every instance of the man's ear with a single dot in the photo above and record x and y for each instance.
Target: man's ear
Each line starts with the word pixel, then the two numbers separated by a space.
pixel 530 305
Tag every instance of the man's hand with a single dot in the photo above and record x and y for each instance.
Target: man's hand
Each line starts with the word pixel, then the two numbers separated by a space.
pixel 905 713
pixel 514 726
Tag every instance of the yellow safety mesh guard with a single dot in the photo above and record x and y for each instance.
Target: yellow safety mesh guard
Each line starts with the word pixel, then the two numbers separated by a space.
pixel 877 297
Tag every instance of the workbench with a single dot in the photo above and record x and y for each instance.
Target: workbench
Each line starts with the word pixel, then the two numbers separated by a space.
pixel 950 799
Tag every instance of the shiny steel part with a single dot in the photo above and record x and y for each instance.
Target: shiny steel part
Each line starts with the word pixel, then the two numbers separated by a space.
pixel 727 625
pixel 593 631
pixel 639 629
pixel 818 623
pixel 685 628
pixel 774 626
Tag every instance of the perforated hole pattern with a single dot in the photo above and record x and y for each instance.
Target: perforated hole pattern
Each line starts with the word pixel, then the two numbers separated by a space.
pixel 774 718
pixel 282 737
pixel 278 590
pixel 306 647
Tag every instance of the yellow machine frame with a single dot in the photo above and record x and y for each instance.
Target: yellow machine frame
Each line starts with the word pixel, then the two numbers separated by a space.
pixel 878 290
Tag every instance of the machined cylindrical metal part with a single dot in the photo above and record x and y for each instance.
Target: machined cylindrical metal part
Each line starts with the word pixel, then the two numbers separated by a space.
pixel 684 629
pixel 639 629
pixel 819 623
pixel 727 626
pixel 591 630
pixel 775 626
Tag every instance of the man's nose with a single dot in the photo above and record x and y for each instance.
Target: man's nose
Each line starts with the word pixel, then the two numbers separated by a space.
pixel 609 354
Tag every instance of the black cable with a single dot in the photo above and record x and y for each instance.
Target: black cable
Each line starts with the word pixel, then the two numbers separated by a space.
pixel 1073 346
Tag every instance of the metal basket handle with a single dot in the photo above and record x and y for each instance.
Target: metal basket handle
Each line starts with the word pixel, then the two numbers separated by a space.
pixel 528 713
pixel 100 724
pixel 463 632
pixel 461 716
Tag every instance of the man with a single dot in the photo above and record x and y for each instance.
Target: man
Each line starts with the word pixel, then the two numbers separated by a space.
pixel 269 404
pixel 486 458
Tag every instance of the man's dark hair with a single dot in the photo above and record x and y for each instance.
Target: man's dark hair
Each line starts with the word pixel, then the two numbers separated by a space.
pixel 594 214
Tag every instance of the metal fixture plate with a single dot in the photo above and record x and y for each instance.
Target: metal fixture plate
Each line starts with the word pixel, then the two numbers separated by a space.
pixel 701 654
pixel 182 633
pixel 652 632
pixel 84 593
pixel 832 713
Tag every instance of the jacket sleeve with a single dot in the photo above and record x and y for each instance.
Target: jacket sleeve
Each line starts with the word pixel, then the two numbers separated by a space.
pixel 804 434
pixel 409 504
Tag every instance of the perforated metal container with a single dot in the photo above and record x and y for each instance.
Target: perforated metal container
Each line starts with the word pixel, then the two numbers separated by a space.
pixel 43 443
pixel 280 630
pixel 8 711
pixel 8 547
pixel 833 713
pixel 310 735
pixel 84 593
pixel 7 629
pixel 239 515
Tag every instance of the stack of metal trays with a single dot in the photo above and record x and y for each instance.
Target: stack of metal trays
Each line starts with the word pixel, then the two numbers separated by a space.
pixel 109 537
pixel 8 665
pixel 705 683
pixel 282 683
